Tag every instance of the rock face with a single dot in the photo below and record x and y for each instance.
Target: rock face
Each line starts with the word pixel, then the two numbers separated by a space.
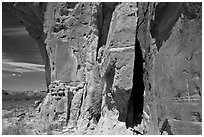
pixel 119 68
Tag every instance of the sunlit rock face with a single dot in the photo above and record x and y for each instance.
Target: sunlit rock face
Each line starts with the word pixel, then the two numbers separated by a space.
pixel 119 68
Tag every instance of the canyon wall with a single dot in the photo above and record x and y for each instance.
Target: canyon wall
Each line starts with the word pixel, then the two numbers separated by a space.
pixel 119 68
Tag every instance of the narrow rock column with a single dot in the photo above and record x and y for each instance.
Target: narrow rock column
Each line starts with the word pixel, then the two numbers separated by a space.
pixel 117 69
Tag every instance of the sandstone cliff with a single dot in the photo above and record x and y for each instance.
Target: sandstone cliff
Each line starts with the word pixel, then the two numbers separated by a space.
pixel 119 68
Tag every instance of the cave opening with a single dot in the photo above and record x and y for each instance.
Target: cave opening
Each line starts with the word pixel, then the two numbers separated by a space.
pixel 136 100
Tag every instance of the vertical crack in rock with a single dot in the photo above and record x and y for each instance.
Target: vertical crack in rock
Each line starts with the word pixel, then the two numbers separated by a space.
pixel 104 16
pixel 69 102
pixel 136 100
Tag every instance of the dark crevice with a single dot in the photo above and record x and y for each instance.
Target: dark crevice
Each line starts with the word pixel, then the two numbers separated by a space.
pixel 166 15
pixel 66 8
pixel 58 27
pixel 136 100
pixel 142 18
pixel 81 101
pixel 70 96
pixel 166 127
pixel 192 10
pixel 104 16
pixel 63 36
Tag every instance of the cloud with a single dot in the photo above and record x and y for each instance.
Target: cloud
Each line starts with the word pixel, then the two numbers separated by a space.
pixel 14 31
pixel 9 74
pixel 21 67
pixel 16 75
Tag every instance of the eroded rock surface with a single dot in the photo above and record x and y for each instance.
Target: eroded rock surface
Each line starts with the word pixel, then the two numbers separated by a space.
pixel 119 68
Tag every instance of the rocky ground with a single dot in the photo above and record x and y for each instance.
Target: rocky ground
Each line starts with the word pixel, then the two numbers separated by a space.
pixel 21 116
pixel 19 109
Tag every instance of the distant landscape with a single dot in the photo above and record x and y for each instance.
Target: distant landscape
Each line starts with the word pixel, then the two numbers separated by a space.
pixel 16 106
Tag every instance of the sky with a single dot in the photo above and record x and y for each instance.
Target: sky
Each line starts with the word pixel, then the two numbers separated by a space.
pixel 22 65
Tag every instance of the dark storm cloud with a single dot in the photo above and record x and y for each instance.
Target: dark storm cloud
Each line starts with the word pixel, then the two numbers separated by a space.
pixel 8 20
pixel 21 48
pixel 17 44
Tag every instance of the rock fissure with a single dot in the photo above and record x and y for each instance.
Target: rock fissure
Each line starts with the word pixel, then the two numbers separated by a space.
pixel 104 16
pixel 136 100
